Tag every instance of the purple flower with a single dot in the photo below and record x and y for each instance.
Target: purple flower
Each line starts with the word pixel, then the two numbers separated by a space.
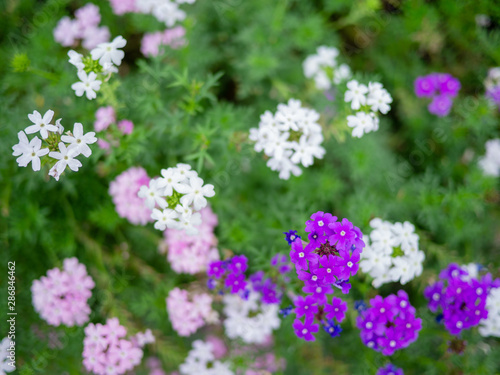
pixel 343 285
pixel 311 278
pixel 329 268
pixel 318 292
pixel 257 280
pixel 239 264
pixel 270 293
pixel 336 309
pixel 305 330
pixel 216 269
pixel 236 282
pixel 299 256
pixel 494 95
pixel 343 235
pixel 390 369
pixel 440 105
pixel 291 236
pixel 425 86
pixel 434 293
pixel 390 324
pixel 348 264
pixel 448 85
pixel 305 306
pixel 280 262
pixel 320 223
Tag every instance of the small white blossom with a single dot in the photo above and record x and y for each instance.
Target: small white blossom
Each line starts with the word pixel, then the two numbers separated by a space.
pixel 378 98
pixel 78 141
pixel 88 84
pixel 169 13
pixel 195 192
pixel 22 146
pixel 153 194
pixel 361 123
pixel 490 163
pixel 6 364
pixel 356 94
pixel 76 59
pixel 165 218
pixel 108 53
pixel 41 124
pixel 66 157
pixel 31 154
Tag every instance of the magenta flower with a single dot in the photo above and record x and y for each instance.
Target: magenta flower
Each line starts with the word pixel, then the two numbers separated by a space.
pixel 343 233
pixel 319 292
pixel 126 126
pixel 305 306
pixel 440 105
pixel 236 282
pixel 105 116
pixel 336 309
pixel 425 86
pixel 239 264
pixel 305 330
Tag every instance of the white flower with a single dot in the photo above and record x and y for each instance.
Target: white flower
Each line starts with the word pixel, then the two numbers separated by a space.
pixel 361 123
pixel 189 223
pixel 165 218
pixel 23 145
pixel 171 180
pixel 108 52
pixel 66 158
pixel 75 59
pixel 79 141
pixel 185 171
pixel 32 153
pixel 60 128
pixel 491 325
pixel 169 13
pixel 88 85
pixel 378 98
pixel 356 94
pixel 41 124
pixel 153 194
pixel 5 362
pixel 201 361
pixel 195 193
pixel 490 163
pixel 341 73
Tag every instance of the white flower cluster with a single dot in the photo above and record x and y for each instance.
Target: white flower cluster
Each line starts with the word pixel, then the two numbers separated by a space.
pixel 324 68
pixel 491 325
pixel 290 137
pixel 249 319
pixel 490 163
pixel 392 253
pixel 166 11
pixel 176 197
pixel 366 101
pixel 64 155
pixel 102 62
pixel 201 361
pixel 6 360
pixel 493 78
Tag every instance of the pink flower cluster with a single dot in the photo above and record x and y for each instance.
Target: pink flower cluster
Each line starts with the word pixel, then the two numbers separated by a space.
pixel 123 6
pixel 106 351
pixel 106 116
pixel 61 296
pixel 84 27
pixel 124 191
pixel 154 365
pixel 151 42
pixel 188 312
pixel 192 254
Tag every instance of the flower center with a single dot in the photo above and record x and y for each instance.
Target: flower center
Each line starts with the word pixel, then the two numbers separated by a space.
pixel 320 223
pixel 382 310
pixel 304 331
pixel 314 278
pixel 342 233
pixel 392 344
pixel 301 255
pixel 369 325
pixel 66 158
pixel 435 296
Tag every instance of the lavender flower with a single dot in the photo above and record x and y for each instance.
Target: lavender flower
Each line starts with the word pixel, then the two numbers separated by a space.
pixel 390 369
pixel 442 88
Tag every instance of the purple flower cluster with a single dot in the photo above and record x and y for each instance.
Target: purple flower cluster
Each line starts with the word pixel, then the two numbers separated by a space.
pixel 231 272
pixel 329 259
pixel 461 297
pixel 390 369
pixel 494 94
pixel 389 324
pixel 441 87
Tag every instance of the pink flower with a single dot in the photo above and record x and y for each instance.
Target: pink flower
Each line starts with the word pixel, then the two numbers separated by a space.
pixel 101 143
pixel 187 312
pixel 88 16
pixel 123 6
pixel 124 191
pixel 66 32
pixel 92 36
pixel 151 42
pixel 193 254
pixel 174 37
pixel 105 116
pixel 126 126
pixel 61 296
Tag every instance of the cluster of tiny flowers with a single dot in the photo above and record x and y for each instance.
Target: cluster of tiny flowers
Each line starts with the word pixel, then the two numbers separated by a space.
pixel 106 351
pixel 392 253
pixel 389 324
pixel 367 101
pixel 61 296
pixel 324 68
pixel 490 162
pixel 248 318
pixel 97 68
pixel 123 190
pixel 491 325
pixel 105 117
pixel 266 364
pixel 228 275
pixel 290 137
pixel 442 88
pixel 492 84
pixel 166 11
pixel 7 356
pixel 461 296
pixel 176 197
pixel 84 27
pixel 329 259
pixel 61 150
pixel 201 361
pixel 188 312
pixel 151 42
pixel 390 369
pixel 192 254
